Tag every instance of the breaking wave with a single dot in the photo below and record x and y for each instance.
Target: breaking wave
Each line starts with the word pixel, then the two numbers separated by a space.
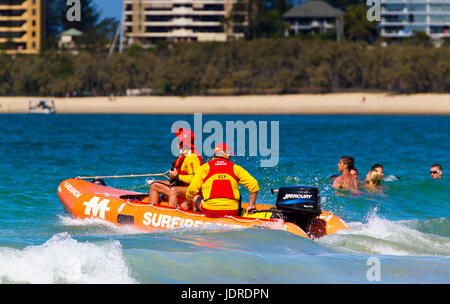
pixel 65 260
pixel 384 237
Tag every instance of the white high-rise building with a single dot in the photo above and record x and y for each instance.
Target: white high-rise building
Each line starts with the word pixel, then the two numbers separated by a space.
pixel 401 18
pixel 147 21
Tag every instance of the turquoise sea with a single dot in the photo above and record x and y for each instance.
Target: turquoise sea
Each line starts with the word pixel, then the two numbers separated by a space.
pixel 405 229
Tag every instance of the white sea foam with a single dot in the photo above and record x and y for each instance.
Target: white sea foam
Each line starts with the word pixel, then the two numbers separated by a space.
pixel 102 227
pixel 390 178
pixel 106 227
pixel 381 236
pixel 65 260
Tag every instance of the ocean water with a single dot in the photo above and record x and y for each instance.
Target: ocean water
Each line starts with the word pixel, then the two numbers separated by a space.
pixel 403 231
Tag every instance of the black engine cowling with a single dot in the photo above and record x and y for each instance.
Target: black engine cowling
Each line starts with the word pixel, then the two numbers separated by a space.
pixel 299 205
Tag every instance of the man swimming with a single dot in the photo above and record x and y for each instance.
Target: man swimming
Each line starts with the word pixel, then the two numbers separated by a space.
pixel 374 181
pixel 346 181
pixel 436 171
pixel 377 168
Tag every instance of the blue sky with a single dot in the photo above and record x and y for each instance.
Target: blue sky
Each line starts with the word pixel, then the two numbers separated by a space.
pixel 110 8
pixel 113 8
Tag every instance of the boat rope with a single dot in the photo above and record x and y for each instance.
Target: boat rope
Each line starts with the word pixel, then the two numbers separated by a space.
pixel 138 205
pixel 133 187
pixel 192 214
pixel 158 208
pixel 152 205
pixel 243 221
pixel 130 175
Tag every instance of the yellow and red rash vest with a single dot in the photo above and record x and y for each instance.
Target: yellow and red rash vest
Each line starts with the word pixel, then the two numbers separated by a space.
pixel 219 180
pixel 186 164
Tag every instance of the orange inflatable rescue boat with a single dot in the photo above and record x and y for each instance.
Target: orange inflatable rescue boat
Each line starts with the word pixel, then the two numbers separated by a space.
pixel 297 211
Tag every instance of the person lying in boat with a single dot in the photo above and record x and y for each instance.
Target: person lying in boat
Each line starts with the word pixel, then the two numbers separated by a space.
pixel 346 181
pixel 182 172
pixel 218 181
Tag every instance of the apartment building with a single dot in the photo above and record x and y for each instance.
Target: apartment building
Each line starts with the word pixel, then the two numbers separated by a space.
pixel 401 18
pixel 147 21
pixel 22 25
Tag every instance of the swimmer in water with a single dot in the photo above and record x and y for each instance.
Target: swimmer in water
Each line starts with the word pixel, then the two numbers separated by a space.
pixel 374 179
pixel 436 171
pixel 378 168
pixel 346 181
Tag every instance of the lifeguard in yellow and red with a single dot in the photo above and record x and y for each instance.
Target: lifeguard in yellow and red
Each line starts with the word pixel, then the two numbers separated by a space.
pixel 182 172
pixel 218 181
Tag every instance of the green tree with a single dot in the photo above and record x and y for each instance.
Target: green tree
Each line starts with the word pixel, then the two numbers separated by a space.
pixel 264 17
pixel 420 38
pixel 54 21
pixel 5 76
pixel 90 16
pixel 356 25
pixel 343 4
pixel 281 5
pixel 96 31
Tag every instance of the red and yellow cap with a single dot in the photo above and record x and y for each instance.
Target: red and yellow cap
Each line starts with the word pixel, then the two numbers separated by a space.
pixel 185 136
pixel 222 147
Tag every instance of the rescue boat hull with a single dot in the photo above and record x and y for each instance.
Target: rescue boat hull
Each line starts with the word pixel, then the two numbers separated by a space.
pixel 83 199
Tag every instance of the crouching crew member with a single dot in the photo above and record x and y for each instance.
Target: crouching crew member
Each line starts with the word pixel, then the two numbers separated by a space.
pixel 218 181
pixel 182 172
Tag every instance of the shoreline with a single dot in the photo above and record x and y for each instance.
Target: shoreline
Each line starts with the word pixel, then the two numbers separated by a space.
pixel 331 103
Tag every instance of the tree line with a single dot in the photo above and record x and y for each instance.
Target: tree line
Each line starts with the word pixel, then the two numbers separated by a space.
pixel 97 32
pixel 258 66
pixel 264 20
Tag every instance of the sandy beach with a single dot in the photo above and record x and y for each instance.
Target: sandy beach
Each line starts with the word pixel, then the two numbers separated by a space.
pixel 333 103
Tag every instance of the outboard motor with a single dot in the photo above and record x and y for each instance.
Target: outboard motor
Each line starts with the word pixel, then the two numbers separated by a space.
pixel 299 205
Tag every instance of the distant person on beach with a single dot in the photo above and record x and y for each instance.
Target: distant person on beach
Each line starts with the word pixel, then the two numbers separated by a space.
pixel 218 182
pixel 346 181
pixel 374 179
pixel 182 173
pixel 436 171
